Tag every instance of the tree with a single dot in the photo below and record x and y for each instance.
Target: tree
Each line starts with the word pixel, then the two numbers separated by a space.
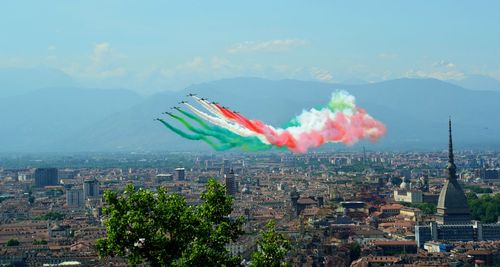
pixel 52 215
pixel 12 243
pixel 485 208
pixel 31 198
pixel 163 230
pixel 355 250
pixel 272 248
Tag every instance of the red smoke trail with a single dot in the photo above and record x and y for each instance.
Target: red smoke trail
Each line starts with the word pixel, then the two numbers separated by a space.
pixel 341 128
pixel 278 139
pixel 239 119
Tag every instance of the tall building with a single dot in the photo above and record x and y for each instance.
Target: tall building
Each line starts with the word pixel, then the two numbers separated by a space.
pixel 74 198
pixel 452 205
pixel 453 220
pixel 230 183
pixel 226 167
pixel 180 174
pixel 46 177
pixel 90 188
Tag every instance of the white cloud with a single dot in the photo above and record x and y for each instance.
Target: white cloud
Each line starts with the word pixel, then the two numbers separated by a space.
pixel 321 74
pixel 266 46
pixel 215 66
pixel 387 56
pixel 196 64
pixel 444 64
pixel 441 70
pixel 440 75
pixel 192 65
pixel 104 62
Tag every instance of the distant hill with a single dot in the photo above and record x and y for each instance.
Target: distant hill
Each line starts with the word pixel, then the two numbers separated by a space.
pixel 415 112
pixel 42 119
pixel 17 81
pixel 479 82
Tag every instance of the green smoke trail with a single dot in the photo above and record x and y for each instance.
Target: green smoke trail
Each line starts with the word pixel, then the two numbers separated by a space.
pixel 195 118
pixel 209 131
pixel 193 136
pixel 227 138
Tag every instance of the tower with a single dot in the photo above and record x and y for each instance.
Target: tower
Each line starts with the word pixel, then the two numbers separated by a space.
pixel 226 167
pixel 230 183
pixel 46 176
pixel 452 205
pixel 90 189
pixel 294 198
pixel 180 173
pixel 74 197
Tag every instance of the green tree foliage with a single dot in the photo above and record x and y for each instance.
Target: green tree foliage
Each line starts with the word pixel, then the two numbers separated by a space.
pixel 4 198
pixel 31 199
pixel 485 208
pixel 40 242
pixel 478 190
pixel 354 250
pixel 12 243
pixel 53 216
pixel 272 248
pixel 163 230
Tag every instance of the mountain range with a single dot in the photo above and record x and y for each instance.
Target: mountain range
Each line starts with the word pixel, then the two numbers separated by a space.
pixel 68 119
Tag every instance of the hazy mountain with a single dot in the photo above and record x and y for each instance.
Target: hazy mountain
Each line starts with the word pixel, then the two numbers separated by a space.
pixel 17 81
pixel 478 82
pixel 354 81
pixel 414 110
pixel 40 120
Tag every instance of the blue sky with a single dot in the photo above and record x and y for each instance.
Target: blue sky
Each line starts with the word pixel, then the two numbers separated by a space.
pixel 160 45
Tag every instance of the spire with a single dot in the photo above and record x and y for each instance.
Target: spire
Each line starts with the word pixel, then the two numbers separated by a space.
pixel 452 168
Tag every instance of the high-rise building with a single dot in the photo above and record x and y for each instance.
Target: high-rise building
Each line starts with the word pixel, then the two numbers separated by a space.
pixel 180 174
pixel 45 177
pixel 90 188
pixel 452 205
pixel 226 167
pixel 74 197
pixel 230 183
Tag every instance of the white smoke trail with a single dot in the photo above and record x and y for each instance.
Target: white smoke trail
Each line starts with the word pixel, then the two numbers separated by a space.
pixel 221 122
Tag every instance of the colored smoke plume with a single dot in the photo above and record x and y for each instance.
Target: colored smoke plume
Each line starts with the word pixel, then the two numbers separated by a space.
pixel 340 121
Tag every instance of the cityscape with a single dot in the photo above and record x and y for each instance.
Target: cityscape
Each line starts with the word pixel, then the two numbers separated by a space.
pixel 280 133
pixel 360 208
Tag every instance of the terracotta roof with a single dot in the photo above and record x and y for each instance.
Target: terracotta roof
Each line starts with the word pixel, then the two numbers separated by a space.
pixel 306 201
pixel 394 243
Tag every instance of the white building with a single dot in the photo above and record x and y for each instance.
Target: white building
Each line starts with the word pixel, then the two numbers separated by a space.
pixel 409 196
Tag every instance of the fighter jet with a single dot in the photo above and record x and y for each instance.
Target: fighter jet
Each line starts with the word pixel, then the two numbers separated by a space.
pixel 168 113
pixel 191 94
pixel 182 102
pixel 203 98
pixel 215 103
pixel 175 107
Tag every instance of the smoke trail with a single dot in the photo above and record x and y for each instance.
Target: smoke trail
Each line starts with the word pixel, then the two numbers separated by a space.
pixel 188 136
pixel 194 118
pixel 223 123
pixel 226 138
pixel 339 121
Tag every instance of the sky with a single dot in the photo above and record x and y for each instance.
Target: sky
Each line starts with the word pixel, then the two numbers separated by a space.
pixel 149 46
